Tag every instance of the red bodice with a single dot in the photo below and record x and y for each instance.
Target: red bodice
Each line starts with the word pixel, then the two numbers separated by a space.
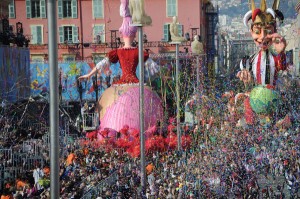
pixel 128 58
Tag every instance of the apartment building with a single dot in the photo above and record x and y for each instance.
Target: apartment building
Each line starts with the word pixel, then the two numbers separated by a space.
pixel 88 29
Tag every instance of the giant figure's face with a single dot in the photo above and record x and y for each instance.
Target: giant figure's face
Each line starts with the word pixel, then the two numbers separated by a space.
pixel 260 29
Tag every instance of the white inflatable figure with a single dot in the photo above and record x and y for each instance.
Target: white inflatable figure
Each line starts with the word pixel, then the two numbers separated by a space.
pixel 189 113
pixel 197 46
pixel 175 37
pixel 138 14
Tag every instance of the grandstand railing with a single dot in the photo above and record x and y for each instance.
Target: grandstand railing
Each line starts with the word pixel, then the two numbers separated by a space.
pixel 5 155
pixel 109 181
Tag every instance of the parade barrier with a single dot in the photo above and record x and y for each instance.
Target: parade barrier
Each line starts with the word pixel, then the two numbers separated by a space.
pixel 97 190
pixel 9 173
pixel 32 162
pixel 5 156
pixel 33 147
pixel 46 139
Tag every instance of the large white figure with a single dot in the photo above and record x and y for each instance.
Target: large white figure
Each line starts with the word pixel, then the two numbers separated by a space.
pixel 175 37
pixel 197 46
pixel 138 14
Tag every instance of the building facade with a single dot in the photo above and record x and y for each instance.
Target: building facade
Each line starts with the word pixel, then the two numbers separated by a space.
pixel 88 29
pixel 4 8
pixel 292 36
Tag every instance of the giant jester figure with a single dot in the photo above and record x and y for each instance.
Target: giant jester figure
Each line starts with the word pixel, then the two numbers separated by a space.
pixel 119 104
pixel 262 68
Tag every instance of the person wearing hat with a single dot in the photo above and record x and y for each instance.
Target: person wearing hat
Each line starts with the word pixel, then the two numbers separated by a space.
pixel 262 67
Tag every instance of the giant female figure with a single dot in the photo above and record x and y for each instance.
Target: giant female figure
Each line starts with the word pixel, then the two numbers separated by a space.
pixel 119 104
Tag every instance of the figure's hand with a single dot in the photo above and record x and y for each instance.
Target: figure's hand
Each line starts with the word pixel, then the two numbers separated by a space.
pixel 84 77
pixel 245 76
pixel 278 42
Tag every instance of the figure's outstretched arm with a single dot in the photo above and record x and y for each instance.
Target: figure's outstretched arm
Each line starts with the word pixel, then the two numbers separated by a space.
pixel 151 68
pixel 101 66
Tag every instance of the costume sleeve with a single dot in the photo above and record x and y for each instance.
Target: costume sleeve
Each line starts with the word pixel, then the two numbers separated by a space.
pixel 113 56
pixel 151 68
pixel 103 65
pixel 280 61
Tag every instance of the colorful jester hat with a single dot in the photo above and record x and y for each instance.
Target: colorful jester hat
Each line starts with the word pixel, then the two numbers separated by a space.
pixel 263 15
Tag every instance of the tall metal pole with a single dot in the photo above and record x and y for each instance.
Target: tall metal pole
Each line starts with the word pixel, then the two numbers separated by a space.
pixel 141 77
pixel 54 115
pixel 178 99
pixel 198 74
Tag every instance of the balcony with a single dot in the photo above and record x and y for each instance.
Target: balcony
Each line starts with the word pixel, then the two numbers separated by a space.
pixel 74 46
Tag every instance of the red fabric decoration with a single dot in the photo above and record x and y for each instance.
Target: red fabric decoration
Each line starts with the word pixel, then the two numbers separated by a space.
pixel 280 61
pixel 155 143
pixel 171 128
pixel 171 140
pixel 135 133
pixel 256 12
pixel 150 131
pixel 150 145
pixel 104 133
pixel 124 132
pixel 128 58
pixel 113 56
pixel 123 143
pixel 186 141
pixel 172 120
pixel 134 151
pixel 91 135
pixel 258 72
pixel 249 114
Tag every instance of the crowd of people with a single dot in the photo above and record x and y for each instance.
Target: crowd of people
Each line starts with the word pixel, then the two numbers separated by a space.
pixel 221 157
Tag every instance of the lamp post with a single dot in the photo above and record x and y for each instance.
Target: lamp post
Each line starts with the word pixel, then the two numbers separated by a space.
pixel 141 106
pixel 54 108
pixel 177 97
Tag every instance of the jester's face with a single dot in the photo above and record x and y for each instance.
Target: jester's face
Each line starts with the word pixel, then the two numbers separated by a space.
pixel 263 24
pixel 260 33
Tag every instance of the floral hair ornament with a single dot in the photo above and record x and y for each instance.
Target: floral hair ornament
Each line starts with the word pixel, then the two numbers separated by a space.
pixel 264 15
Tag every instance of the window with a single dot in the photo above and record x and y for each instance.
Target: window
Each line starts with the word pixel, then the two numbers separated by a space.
pixel 67 8
pixel 99 33
pixel 69 58
pixel 37 34
pixel 11 9
pixel 68 34
pixel 98 9
pixel 167 35
pixel 171 8
pixel 37 58
pixel 36 8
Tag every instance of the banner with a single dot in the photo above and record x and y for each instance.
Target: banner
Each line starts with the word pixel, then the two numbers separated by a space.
pixel 68 75
pixel 14 73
